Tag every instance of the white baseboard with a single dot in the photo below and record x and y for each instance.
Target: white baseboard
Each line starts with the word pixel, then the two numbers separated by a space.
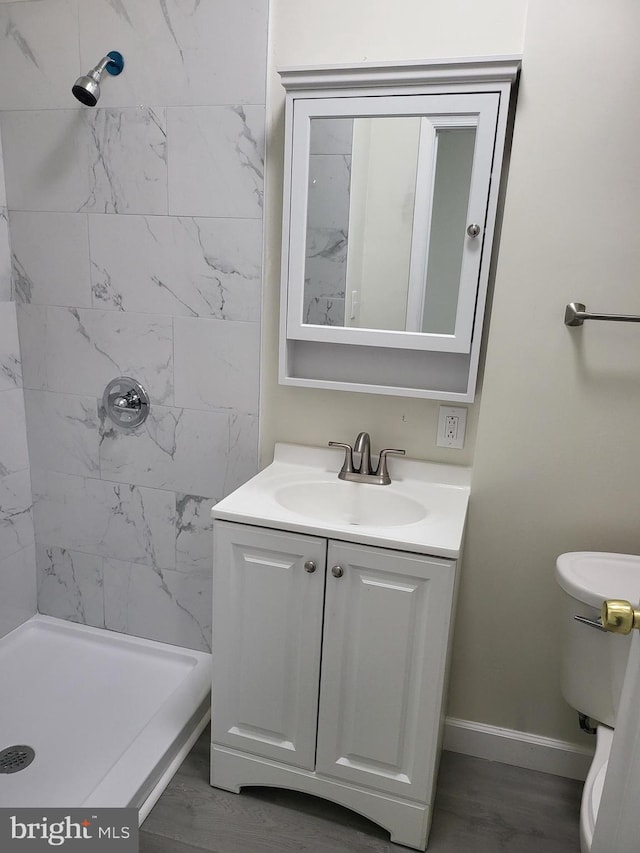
pixel 518 748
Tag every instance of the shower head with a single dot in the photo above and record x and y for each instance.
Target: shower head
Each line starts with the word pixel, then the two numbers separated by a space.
pixel 87 88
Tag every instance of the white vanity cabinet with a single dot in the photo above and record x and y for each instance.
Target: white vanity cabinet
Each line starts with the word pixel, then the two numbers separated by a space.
pixel 329 671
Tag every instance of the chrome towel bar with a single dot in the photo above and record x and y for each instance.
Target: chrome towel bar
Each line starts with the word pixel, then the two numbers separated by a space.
pixel 575 314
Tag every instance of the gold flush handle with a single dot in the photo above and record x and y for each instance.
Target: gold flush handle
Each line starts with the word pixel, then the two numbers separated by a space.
pixel 619 616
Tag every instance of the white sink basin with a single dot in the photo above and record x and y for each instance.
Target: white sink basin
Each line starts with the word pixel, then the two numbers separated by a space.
pixel 423 510
pixel 342 502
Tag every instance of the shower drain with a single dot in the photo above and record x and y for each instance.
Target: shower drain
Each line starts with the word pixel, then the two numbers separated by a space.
pixel 15 758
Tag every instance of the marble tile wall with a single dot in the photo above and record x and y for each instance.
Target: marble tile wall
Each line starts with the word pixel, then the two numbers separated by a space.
pixel 5 254
pixel 328 220
pixel 135 233
pixel 17 552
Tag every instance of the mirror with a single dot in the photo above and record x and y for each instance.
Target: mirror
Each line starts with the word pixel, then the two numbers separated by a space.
pixel 386 217
pixel 384 191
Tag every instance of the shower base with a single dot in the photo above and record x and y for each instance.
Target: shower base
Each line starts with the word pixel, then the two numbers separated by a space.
pixel 110 717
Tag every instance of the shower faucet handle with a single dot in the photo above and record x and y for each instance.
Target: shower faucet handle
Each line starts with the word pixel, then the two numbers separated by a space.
pixel 129 402
pixel 126 402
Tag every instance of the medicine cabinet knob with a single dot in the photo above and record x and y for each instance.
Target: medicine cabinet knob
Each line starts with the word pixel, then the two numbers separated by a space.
pixel 310 567
pixel 473 230
pixel 337 571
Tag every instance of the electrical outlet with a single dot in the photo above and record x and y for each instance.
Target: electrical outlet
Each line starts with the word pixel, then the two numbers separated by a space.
pixel 452 422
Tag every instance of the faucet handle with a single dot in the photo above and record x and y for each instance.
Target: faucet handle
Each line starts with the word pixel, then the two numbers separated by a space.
pixel 347 465
pixel 382 471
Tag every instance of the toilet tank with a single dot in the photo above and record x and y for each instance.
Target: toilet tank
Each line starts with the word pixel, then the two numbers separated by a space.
pixel 593 661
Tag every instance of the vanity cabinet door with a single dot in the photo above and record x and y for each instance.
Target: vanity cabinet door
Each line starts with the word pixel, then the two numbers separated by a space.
pixel 386 634
pixel 267 631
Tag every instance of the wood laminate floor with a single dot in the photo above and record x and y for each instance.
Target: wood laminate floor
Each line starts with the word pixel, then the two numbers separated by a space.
pixel 481 807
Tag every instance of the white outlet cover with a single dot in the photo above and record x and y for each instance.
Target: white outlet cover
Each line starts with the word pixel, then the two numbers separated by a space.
pixel 451 412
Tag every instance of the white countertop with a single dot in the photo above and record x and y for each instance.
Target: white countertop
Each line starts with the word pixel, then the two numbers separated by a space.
pixel 442 491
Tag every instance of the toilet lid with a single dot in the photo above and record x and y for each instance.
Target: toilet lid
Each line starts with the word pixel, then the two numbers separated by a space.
pixel 592 576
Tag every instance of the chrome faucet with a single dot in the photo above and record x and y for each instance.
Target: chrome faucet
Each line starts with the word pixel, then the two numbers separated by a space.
pixel 362 445
pixel 364 473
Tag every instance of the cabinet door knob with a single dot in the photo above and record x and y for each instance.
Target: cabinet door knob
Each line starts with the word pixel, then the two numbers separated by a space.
pixel 473 230
pixel 337 571
pixel 310 567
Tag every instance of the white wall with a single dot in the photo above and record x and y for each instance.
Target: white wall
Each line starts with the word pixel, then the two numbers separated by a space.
pixel 330 32
pixel 557 460
pixel 557 453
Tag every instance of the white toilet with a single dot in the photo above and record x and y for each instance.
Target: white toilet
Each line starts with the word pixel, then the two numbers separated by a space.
pixel 593 661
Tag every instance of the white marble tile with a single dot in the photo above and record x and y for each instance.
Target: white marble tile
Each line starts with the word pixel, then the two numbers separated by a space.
pixel 13 432
pixel 329 191
pixel 194 533
pixel 40 57
pixel 63 432
pixel 50 254
pixel 216 364
pixel 216 161
pixel 16 517
pixel 169 606
pixel 32 324
pixel 18 597
pixel 177 265
pixel 70 585
pixel 331 136
pixel 178 449
pixel 179 52
pixel 95 160
pixel 3 193
pixel 5 256
pixel 46 158
pixel 324 311
pixel 5 251
pixel 82 350
pixel 10 364
pixel 325 270
pixel 242 462
pixel 127 152
pixel 107 519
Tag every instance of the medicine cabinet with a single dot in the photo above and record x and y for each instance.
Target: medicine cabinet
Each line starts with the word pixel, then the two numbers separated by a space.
pixel 393 174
